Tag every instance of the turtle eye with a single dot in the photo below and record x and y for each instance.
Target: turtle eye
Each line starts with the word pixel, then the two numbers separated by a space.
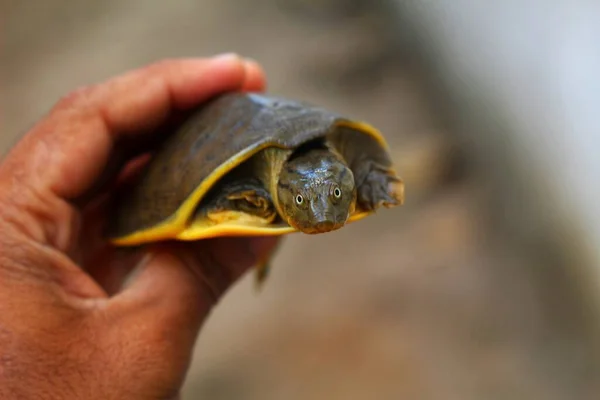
pixel 299 199
pixel 337 192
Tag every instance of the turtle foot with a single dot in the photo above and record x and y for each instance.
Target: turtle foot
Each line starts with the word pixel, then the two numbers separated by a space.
pixel 261 274
pixel 380 187
pixel 263 268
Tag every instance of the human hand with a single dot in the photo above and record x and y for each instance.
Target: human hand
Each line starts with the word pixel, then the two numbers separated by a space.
pixel 78 318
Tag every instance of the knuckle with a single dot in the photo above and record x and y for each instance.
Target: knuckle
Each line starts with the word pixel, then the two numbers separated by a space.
pixel 76 98
pixel 40 217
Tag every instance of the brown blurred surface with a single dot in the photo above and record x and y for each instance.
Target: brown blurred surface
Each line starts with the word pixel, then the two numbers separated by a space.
pixel 433 300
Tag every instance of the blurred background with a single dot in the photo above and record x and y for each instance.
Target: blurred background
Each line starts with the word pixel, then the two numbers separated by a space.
pixel 485 284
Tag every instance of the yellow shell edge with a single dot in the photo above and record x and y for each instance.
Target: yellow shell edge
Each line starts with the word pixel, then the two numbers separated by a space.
pixel 203 229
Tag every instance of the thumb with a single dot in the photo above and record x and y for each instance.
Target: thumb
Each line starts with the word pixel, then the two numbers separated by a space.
pixel 165 291
pixel 169 295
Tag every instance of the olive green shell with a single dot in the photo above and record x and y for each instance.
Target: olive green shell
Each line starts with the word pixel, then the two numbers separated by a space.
pixel 222 133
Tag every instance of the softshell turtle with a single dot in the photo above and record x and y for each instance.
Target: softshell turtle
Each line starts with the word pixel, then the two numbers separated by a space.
pixel 247 164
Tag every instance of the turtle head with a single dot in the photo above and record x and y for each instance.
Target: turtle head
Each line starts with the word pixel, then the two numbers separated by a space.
pixel 316 192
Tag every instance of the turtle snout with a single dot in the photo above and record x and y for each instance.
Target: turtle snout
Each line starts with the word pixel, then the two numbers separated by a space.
pixel 324 226
pixel 321 217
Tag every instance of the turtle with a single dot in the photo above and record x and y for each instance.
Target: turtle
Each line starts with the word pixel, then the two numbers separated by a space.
pixel 253 164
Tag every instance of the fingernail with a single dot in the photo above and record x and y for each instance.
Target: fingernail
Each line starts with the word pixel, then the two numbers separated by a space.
pixel 252 64
pixel 226 57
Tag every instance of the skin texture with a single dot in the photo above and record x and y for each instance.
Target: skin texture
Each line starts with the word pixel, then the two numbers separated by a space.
pixel 316 192
pixel 78 318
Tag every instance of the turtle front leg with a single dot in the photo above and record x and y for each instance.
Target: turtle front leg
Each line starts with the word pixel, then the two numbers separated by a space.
pixel 244 196
pixel 377 186
pixel 254 202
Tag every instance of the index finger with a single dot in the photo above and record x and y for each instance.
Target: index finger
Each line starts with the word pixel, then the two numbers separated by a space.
pixel 67 151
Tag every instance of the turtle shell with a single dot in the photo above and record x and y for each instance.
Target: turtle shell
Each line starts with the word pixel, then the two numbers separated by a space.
pixel 216 138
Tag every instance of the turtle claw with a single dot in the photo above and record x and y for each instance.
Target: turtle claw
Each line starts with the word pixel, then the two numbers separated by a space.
pixel 261 274
pixel 263 268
